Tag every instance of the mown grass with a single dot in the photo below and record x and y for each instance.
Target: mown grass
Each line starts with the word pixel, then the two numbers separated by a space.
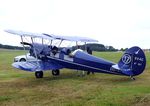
pixel 19 88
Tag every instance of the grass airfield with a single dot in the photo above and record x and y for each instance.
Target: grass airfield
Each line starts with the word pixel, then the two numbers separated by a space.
pixel 20 88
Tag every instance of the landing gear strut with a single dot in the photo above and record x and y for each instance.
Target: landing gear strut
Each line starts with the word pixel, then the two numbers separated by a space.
pixel 132 78
pixel 55 72
pixel 39 74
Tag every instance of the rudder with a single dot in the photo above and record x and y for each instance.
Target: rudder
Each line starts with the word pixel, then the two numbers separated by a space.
pixel 133 61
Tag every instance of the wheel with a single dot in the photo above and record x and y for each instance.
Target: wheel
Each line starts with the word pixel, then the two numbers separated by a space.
pixel 133 78
pixel 39 74
pixel 22 60
pixel 55 72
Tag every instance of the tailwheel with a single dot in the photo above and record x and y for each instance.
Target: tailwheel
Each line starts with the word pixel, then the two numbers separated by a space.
pixel 39 74
pixel 55 72
pixel 132 78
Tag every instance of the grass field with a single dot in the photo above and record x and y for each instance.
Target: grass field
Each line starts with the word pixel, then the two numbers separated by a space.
pixel 19 88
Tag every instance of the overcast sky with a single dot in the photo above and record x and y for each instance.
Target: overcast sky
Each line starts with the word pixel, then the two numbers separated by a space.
pixel 119 23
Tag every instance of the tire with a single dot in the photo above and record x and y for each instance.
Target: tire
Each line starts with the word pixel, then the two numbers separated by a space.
pixel 55 72
pixel 22 60
pixel 39 74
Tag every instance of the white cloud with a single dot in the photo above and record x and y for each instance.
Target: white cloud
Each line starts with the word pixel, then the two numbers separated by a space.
pixel 120 23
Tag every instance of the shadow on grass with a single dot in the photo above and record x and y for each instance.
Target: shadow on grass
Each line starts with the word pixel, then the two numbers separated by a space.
pixel 96 78
pixel 66 77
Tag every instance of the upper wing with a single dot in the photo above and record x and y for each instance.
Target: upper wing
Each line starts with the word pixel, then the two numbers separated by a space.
pixel 47 36
pixel 71 38
pixel 30 34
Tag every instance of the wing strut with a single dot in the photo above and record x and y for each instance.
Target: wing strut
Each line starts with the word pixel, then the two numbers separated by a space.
pixel 24 47
pixel 85 47
pixel 60 43
pixel 42 41
pixel 35 54
pixel 51 42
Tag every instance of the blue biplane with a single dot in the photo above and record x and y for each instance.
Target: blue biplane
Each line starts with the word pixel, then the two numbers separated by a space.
pixel 50 57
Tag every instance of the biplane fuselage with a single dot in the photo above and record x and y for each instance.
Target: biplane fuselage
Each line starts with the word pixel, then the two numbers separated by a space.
pixel 83 61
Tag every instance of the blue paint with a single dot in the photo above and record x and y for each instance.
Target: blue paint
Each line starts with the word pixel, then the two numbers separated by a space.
pixel 132 63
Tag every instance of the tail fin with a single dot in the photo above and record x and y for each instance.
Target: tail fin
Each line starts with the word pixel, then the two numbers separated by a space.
pixel 133 61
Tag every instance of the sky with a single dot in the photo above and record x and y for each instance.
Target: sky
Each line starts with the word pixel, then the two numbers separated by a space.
pixel 119 23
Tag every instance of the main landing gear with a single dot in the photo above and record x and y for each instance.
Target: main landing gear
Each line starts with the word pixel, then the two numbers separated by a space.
pixel 39 74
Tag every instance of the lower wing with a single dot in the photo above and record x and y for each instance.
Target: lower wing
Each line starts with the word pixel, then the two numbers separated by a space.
pixel 36 66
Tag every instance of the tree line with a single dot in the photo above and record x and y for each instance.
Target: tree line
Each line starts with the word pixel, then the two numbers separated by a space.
pixel 12 47
pixel 96 47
